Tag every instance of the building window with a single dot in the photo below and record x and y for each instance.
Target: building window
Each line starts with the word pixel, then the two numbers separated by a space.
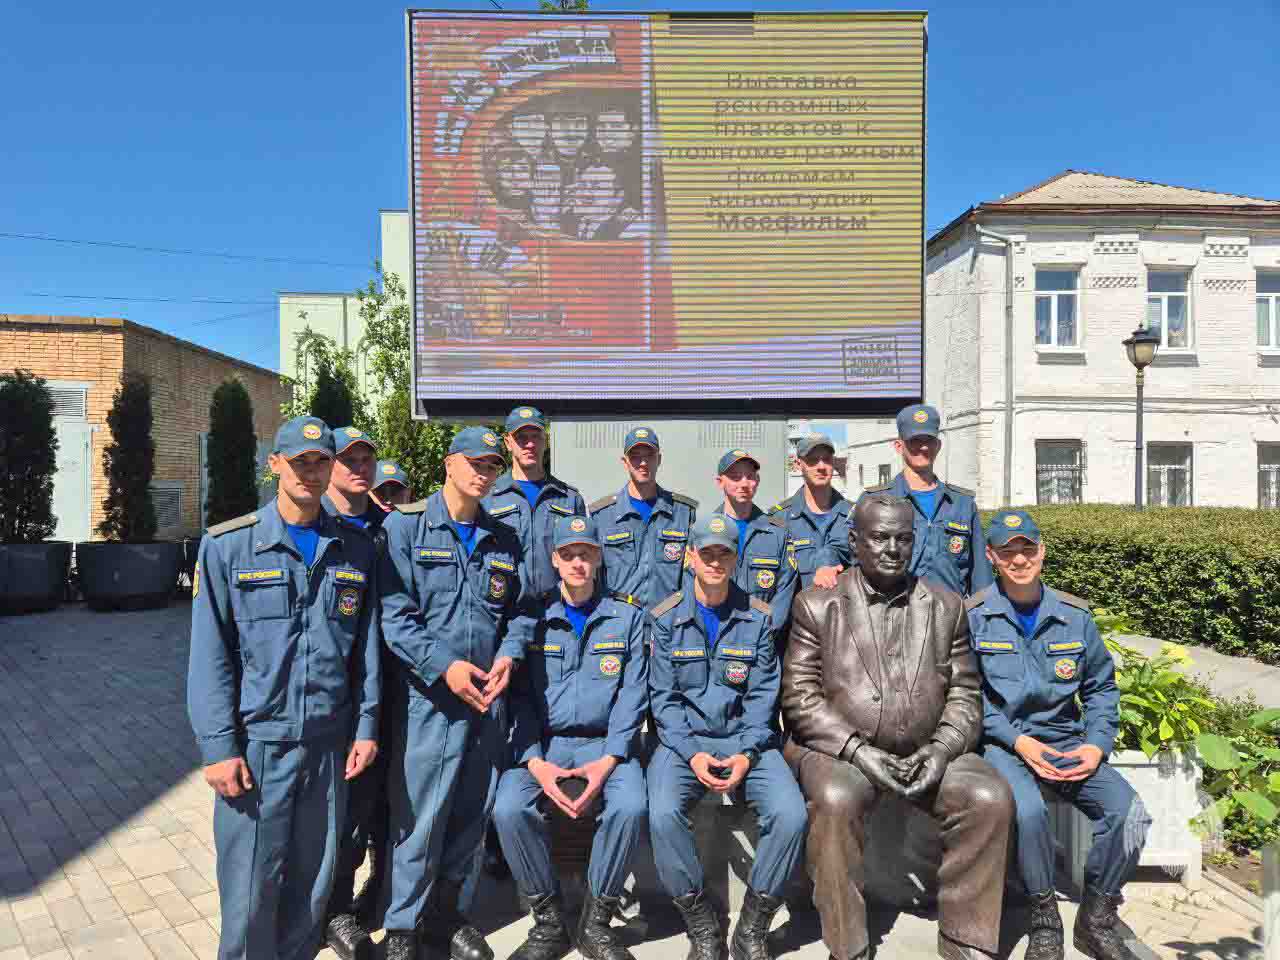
pixel 1269 476
pixel 1168 310
pixel 886 473
pixel 1269 310
pixel 1059 471
pixel 167 501
pixel 1169 475
pixel 1057 308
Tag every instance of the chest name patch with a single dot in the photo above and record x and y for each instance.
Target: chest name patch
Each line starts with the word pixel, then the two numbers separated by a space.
pixel 502 565
pixel 677 534
pixel 259 576
pixel 435 554
pixel 1065 645
pixel 618 537
pixel 552 648
pixel 556 508
pixel 995 645
pixel 601 645
pixel 741 653
pixel 688 654
pixel 349 576
pixel 764 562
pixel 503 511
pixel 962 527
pixel 805 542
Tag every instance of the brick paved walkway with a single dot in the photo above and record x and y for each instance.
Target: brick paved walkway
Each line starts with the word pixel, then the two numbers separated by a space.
pixel 106 847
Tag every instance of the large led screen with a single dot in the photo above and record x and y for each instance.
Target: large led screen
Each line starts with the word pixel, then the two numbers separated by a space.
pixel 677 213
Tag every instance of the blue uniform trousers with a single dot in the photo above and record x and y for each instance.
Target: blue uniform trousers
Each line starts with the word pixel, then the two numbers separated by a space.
pixel 525 834
pixel 366 827
pixel 441 778
pixel 1120 821
pixel 773 796
pixel 277 845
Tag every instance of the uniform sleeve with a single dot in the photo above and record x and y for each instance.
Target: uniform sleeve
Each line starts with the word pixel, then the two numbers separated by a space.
pixel 981 576
pixel 668 703
pixel 1098 692
pixel 834 549
pixel 788 584
pixel 368 657
pixel 526 724
pixel 213 689
pixel 632 703
pixel 960 725
pixel 995 725
pixel 761 700
pixel 518 629
pixel 404 625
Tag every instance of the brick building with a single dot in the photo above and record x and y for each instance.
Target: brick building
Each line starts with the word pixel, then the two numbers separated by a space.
pixel 82 358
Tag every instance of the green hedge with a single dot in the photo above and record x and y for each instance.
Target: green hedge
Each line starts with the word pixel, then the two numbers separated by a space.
pixel 1200 575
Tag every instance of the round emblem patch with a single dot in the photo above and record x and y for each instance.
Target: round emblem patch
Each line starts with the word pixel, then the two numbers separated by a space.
pixel 388 469
pixel 1013 521
pixel 765 579
pixel 490 440
pixel 739 454
pixel 311 431
pixel 735 673
pixel 1065 668
pixel 716 525
pixel 610 666
pixel 920 416
pixel 577 524
pixel 671 550
pixel 348 602
pixel 525 413
pixel 353 432
pixel 497 586
pixel 956 544
pixel 642 433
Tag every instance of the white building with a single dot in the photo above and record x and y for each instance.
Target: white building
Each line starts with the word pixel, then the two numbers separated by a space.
pixel 1028 301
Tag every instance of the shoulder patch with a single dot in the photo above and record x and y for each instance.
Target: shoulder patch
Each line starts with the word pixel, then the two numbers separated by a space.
pixel 687 501
pixel 668 604
pixel 218 529
pixel 1072 600
pixel 603 502
pixel 417 507
pixel 977 599
pixel 878 488
pixel 760 606
pixel 626 598
pixel 778 520
pixel 962 490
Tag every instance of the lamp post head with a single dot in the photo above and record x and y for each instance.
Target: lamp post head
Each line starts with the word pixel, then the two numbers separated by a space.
pixel 1141 348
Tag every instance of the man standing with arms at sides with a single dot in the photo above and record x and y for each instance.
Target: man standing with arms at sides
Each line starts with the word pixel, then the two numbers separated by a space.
pixel 578 706
pixel 283 697
pixel 450 614
pixel 1040 653
pixel 347 500
pixel 713 687
pixel 644 527
pixel 817 516
pixel 391 485
pixel 949 548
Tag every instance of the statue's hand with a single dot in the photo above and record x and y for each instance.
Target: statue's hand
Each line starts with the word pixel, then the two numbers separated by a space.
pixel 931 761
pixel 878 766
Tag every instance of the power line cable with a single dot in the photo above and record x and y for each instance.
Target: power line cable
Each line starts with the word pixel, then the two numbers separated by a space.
pixel 217 300
pixel 174 251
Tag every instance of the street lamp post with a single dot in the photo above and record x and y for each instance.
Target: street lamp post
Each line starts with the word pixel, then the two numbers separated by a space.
pixel 1141 349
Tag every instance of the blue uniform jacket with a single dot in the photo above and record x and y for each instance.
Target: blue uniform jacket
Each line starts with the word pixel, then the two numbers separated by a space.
pixel 766 570
pixel 597 686
pixel 534 526
pixel 714 695
pixel 373 516
pixel 644 560
pixel 1030 684
pixel 950 549
pixel 824 544
pixel 438 604
pixel 279 651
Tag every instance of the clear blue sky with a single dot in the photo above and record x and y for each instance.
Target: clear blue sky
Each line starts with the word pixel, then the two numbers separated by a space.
pixel 278 130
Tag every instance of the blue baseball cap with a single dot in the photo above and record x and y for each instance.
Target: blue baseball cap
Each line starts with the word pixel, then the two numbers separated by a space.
pixel 732 457
pixel 525 417
pixel 388 471
pixel 918 420
pixel 715 528
pixel 303 435
pixel 475 442
pixel 1008 525
pixel 639 435
pixel 811 442
pixel 344 437
pixel 575 530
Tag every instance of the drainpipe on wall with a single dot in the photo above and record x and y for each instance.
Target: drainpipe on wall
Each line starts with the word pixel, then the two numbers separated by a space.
pixel 1007 496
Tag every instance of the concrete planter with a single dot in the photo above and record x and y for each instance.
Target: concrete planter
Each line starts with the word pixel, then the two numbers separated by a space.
pixel 128 575
pixel 33 576
pixel 1271 901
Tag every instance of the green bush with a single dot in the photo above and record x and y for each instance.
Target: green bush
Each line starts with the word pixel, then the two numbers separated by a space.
pixel 129 462
pixel 233 452
pixel 28 458
pixel 1208 576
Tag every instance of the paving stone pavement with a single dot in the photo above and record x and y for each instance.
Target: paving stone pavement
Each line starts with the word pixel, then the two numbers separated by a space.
pixel 106 836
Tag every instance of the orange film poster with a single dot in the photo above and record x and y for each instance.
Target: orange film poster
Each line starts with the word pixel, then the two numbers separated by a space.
pixel 621 207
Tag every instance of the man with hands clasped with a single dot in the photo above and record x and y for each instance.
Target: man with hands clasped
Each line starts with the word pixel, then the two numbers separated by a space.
pixel 1039 652
pixel 713 681
pixel 578 706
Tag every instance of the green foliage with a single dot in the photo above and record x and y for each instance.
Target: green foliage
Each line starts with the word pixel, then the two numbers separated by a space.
pixel 232 453
pixel 1242 761
pixel 325 383
pixel 129 461
pixel 332 401
pixel 1208 576
pixel 1160 706
pixel 562 6
pixel 28 458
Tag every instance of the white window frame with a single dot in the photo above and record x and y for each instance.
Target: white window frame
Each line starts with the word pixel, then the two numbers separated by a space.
pixel 1273 321
pixel 1268 476
pixel 1191 471
pixel 1164 311
pixel 1052 296
pixel 1082 465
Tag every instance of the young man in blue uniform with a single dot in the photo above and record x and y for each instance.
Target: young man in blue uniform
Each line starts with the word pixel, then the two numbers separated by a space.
pixel 1039 652
pixel 283 694
pixel 644 527
pixel 949 548
pixel 713 685
pixel 817 516
pixel 578 706
pixel 451 615
pixel 391 485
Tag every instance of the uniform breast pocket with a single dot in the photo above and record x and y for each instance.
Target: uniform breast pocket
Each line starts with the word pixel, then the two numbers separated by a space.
pixel 499 581
pixel 437 568
pixel 955 541
pixel 547 660
pixel 806 555
pixel 260 593
pixel 1066 665
pixel 689 668
pixel 349 588
pixel 606 667
pixel 671 546
pixel 763 572
pixel 733 668
pixel 999 660
pixel 619 546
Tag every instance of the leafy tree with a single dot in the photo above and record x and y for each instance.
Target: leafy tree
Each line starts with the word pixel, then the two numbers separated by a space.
pixel 28 458
pixel 325 370
pixel 129 462
pixel 232 457
pixel 332 401
pixel 562 6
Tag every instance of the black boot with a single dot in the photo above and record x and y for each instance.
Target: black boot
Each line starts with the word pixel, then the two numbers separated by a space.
pixel 1099 933
pixel 596 939
pixel 705 942
pixel 751 934
pixel 349 940
pixel 549 938
pixel 446 929
pixel 399 945
pixel 1044 941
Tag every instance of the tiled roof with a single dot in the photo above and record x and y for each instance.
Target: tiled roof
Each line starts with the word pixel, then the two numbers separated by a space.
pixel 1097 189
